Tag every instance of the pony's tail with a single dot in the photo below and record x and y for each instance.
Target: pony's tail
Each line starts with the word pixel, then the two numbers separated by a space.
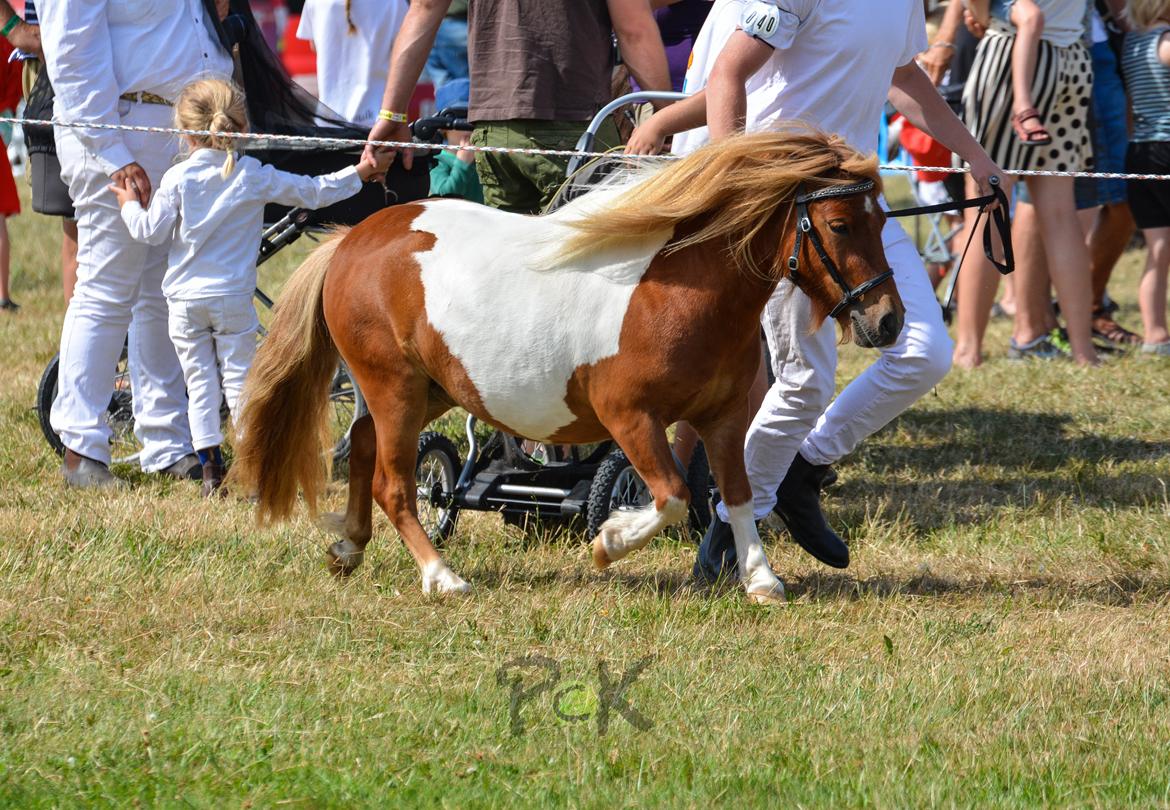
pixel 282 430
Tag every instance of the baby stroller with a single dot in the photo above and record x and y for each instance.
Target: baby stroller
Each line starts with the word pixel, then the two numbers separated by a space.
pixel 527 481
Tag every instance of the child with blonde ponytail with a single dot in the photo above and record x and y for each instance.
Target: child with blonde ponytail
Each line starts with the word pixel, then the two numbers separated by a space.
pixel 210 209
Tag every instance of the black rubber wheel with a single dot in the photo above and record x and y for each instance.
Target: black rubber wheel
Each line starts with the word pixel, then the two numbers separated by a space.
pixel 702 488
pixel 348 405
pixel 616 485
pixel 124 446
pixel 46 393
pixel 435 475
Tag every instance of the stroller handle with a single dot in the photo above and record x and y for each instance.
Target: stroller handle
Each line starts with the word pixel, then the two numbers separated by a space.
pixel 426 130
pixel 585 143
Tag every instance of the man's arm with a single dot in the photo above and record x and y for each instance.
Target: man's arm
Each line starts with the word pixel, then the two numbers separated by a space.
pixel 640 43
pixel 412 45
pixel 937 58
pixel 913 95
pixel 80 59
pixel 740 58
pixel 23 37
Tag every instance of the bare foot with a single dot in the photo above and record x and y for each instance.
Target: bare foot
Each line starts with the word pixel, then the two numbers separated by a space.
pixel 965 359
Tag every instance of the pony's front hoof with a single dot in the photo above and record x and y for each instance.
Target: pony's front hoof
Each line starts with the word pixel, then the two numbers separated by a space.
pixel 601 559
pixel 344 558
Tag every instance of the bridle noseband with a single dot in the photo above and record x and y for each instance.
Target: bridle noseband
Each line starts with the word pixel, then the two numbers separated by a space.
pixel 804 226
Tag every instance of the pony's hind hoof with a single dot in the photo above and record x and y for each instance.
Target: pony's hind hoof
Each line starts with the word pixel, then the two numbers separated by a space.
pixel 439 580
pixel 344 558
pixel 770 596
pixel 601 559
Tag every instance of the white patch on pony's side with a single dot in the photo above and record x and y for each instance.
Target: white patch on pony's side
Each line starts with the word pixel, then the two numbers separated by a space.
pixel 519 322
pixel 627 530
pixel 870 208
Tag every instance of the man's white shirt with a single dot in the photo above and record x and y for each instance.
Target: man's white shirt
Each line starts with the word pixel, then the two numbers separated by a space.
pixel 96 50
pixel 832 66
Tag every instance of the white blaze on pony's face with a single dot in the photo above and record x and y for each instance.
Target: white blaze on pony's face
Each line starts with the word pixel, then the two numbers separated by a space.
pixel 520 327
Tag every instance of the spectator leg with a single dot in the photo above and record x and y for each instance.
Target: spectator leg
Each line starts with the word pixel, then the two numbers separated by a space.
pixel 978 283
pixel 1152 290
pixel 1068 262
pixel 1034 316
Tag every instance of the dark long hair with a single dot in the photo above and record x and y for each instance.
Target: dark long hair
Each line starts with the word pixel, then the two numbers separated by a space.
pixel 276 103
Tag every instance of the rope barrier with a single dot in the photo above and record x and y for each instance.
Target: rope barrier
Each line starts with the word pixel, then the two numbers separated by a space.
pixel 350 143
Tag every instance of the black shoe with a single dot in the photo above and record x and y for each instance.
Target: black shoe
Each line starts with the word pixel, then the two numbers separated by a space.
pixel 798 503
pixel 212 480
pixel 716 558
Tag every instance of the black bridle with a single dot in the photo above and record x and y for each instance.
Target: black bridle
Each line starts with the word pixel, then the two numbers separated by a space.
pixel 850 295
pixel 994 205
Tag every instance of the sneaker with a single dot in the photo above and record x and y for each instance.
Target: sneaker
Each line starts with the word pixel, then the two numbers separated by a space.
pixel 1157 349
pixel 1042 348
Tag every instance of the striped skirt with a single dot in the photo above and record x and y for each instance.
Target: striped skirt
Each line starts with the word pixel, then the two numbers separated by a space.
pixel 1062 92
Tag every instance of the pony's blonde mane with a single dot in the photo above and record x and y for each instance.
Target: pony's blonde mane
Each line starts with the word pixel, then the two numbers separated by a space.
pixel 730 188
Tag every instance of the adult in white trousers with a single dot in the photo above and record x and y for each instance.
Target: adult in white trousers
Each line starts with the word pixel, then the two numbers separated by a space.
pixel 832 64
pixel 120 62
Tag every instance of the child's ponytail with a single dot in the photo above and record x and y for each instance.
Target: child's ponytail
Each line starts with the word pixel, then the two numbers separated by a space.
pixel 217 107
pixel 221 123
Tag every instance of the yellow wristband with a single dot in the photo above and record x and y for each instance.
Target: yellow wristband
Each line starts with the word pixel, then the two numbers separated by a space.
pixel 392 117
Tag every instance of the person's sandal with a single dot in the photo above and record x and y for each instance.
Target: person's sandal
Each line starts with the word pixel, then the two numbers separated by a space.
pixel 1030 137
pixel 8 305
pixel 1110 331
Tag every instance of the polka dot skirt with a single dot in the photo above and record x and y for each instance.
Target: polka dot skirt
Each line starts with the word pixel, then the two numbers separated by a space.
pixel 1061 91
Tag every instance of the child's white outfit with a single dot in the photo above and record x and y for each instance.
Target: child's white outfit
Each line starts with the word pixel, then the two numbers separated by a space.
pixel 214 225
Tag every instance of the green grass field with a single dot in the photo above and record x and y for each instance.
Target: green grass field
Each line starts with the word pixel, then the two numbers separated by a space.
pixel 1002 637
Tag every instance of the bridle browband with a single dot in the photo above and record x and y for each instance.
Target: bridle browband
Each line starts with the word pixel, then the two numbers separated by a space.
pixel 804 226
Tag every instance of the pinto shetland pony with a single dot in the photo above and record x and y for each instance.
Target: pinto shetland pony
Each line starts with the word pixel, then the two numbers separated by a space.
pixel 627 310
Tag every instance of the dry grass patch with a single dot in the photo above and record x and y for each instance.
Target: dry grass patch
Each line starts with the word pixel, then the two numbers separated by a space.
pixel 1001 638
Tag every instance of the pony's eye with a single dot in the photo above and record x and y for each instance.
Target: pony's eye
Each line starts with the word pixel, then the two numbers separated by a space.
pixel 839 226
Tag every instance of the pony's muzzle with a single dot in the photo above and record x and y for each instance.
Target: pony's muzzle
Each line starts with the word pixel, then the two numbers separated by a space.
pixel 879 322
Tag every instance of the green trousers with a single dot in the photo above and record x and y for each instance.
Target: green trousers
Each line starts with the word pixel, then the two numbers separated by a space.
pixel 524 184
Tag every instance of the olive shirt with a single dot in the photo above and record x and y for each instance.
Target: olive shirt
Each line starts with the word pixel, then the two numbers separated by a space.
pixel 540 69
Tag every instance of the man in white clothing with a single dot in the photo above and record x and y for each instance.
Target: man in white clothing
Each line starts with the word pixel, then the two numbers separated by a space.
pixel 831 64
pixel 120 62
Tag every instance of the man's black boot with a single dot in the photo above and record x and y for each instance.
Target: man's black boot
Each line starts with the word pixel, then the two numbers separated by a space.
pixel 716 557
pixel 798 503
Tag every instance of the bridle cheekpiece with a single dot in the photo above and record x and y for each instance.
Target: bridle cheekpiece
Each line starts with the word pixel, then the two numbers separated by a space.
pixel 804 226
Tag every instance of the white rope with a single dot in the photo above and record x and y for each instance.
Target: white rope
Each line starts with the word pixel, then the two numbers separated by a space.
pixel 349 143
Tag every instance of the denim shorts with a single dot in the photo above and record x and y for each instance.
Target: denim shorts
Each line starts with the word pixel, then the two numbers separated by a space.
pixel 1110 133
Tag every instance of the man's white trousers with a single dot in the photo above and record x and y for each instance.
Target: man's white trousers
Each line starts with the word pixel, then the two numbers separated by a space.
pixel 119 286
pixel 797 416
